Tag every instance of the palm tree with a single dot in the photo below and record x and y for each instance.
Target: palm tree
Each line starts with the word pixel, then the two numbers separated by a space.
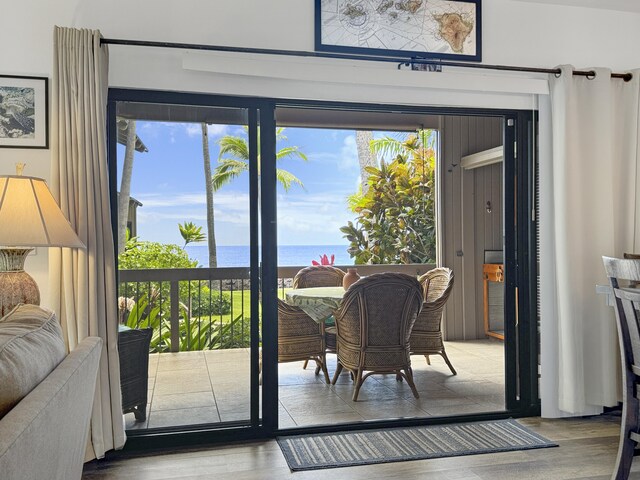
pixel 366 157
pixel 237 162
pixel 412 147
pixel 127 136
pixel 415 144
pixel 191 233
pixel 211 237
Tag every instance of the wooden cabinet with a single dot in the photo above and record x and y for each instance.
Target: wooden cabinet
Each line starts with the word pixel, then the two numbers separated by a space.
pixel 493 283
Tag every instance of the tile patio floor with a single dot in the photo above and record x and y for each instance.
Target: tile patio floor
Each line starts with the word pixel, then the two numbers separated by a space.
pixel 190 388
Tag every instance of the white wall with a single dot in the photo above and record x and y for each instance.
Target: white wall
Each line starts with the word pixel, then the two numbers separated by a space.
pixel 514 32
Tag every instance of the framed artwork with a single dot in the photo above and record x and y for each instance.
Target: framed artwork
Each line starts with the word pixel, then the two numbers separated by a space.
pixel 24 112
pixel 427 29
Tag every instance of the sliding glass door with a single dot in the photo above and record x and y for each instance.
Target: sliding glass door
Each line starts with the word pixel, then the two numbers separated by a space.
pixel 186 219
pixel 348 166
pixel 218 202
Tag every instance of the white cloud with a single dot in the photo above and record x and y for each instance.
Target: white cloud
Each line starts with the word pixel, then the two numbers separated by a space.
pixel 301 216
pixel 192 129
pixel 345 160
pixel 219 130
pixel 172 129
pixel 228 199
pixel 154 216
pixel 195 130
pixel 349 154
pixel 155 200
pixel 321 214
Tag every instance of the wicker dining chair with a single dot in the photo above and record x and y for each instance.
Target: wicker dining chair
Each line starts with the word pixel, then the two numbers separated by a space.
pixel 373 325
pixel 320 276
pixel 300 338
pixel 133 350
pixel 627 271
pixel 426 336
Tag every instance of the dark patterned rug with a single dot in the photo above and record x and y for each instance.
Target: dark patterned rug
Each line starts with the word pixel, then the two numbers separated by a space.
pixel 332 450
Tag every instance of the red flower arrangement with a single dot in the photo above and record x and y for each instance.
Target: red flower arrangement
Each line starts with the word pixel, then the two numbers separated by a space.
pixel 324 260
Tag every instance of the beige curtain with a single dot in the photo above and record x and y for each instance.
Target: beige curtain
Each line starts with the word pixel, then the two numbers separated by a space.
pixel 589 207
pixel 83 281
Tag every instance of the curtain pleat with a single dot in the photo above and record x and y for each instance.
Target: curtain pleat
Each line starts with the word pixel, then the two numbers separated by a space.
pixel 592 177
pixel 83 285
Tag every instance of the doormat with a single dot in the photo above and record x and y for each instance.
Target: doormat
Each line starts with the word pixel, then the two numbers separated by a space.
pixel 365 447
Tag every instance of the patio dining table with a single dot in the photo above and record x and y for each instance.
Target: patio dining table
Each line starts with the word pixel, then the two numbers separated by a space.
pixel 317 302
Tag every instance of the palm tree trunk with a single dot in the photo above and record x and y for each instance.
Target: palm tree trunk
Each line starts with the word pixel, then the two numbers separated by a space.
pixel 366 158
pixel 125 185
pixel 211 233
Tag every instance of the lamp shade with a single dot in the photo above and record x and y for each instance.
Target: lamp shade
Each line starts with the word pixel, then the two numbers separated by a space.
pixel 29 216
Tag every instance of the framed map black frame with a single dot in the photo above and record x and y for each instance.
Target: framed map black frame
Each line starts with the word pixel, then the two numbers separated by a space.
pixel 421 29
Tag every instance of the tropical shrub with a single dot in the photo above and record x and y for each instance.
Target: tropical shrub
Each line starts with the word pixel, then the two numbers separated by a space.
pixel 207 334
pixel 206 303
pixel 395 220
pixel 139 255
pixel 193 333
pixel 147 304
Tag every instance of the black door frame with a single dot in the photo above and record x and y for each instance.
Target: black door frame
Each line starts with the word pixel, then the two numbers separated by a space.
pixel 521 351
pixel 257 113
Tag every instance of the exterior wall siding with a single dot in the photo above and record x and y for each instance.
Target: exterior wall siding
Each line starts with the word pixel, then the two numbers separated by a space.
pixel 467 229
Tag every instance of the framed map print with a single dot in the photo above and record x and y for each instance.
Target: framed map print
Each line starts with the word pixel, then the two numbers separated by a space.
pixel 438 29
pixel 24 112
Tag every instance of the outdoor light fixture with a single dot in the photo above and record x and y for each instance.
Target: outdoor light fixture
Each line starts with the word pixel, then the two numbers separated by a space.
pixel 29 217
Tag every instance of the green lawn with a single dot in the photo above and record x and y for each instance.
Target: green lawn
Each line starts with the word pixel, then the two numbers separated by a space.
pixel 241 304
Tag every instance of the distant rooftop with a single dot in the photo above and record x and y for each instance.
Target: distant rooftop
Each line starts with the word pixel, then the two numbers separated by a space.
pixel 123 130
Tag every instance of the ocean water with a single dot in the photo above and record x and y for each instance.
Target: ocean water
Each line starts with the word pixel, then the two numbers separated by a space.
pixel 238 256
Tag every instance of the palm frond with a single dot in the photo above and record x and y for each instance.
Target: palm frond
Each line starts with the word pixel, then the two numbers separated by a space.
pixel 290 152
pixel 227 170
pixel 387 147
pixel 191 233
pixel 287 179
pixel 233 146
pixel 428 138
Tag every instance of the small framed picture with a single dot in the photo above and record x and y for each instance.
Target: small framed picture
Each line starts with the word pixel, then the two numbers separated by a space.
pixel 422 29
pixel 24 112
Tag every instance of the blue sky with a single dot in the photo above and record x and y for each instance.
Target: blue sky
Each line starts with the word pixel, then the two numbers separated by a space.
pixel 169 182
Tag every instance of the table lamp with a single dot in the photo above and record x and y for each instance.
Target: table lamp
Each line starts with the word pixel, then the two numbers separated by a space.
pixel 29 217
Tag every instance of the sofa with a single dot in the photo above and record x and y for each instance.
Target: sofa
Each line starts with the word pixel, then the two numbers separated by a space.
pixel 46 397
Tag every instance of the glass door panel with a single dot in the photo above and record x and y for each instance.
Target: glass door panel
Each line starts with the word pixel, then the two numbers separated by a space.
pixel 330 213
pixel 187 263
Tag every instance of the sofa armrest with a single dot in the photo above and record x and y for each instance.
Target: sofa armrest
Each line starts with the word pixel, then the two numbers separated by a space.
pixel 45 435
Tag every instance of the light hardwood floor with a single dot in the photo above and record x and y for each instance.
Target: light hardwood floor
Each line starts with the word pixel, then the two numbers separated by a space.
pixel 587 451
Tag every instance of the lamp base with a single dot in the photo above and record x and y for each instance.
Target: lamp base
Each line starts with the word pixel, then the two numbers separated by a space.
pixel 16 285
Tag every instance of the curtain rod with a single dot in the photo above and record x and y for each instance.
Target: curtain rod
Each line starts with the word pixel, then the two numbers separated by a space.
pixel 370 58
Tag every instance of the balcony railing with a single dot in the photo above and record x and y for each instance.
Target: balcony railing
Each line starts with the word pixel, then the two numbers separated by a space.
pixel 204 308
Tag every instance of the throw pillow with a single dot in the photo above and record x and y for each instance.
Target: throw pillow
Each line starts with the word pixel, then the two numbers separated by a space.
pixel 31 346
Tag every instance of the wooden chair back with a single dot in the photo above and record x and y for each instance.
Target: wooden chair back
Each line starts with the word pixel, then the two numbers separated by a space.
pixel 318 276
pixel 623 273
pixel 633 256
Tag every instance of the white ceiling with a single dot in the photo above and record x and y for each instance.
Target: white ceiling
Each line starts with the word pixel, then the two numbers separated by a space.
pixel 622 5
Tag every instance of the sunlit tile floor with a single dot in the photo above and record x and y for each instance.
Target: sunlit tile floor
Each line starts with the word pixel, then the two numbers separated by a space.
pixel 190 388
